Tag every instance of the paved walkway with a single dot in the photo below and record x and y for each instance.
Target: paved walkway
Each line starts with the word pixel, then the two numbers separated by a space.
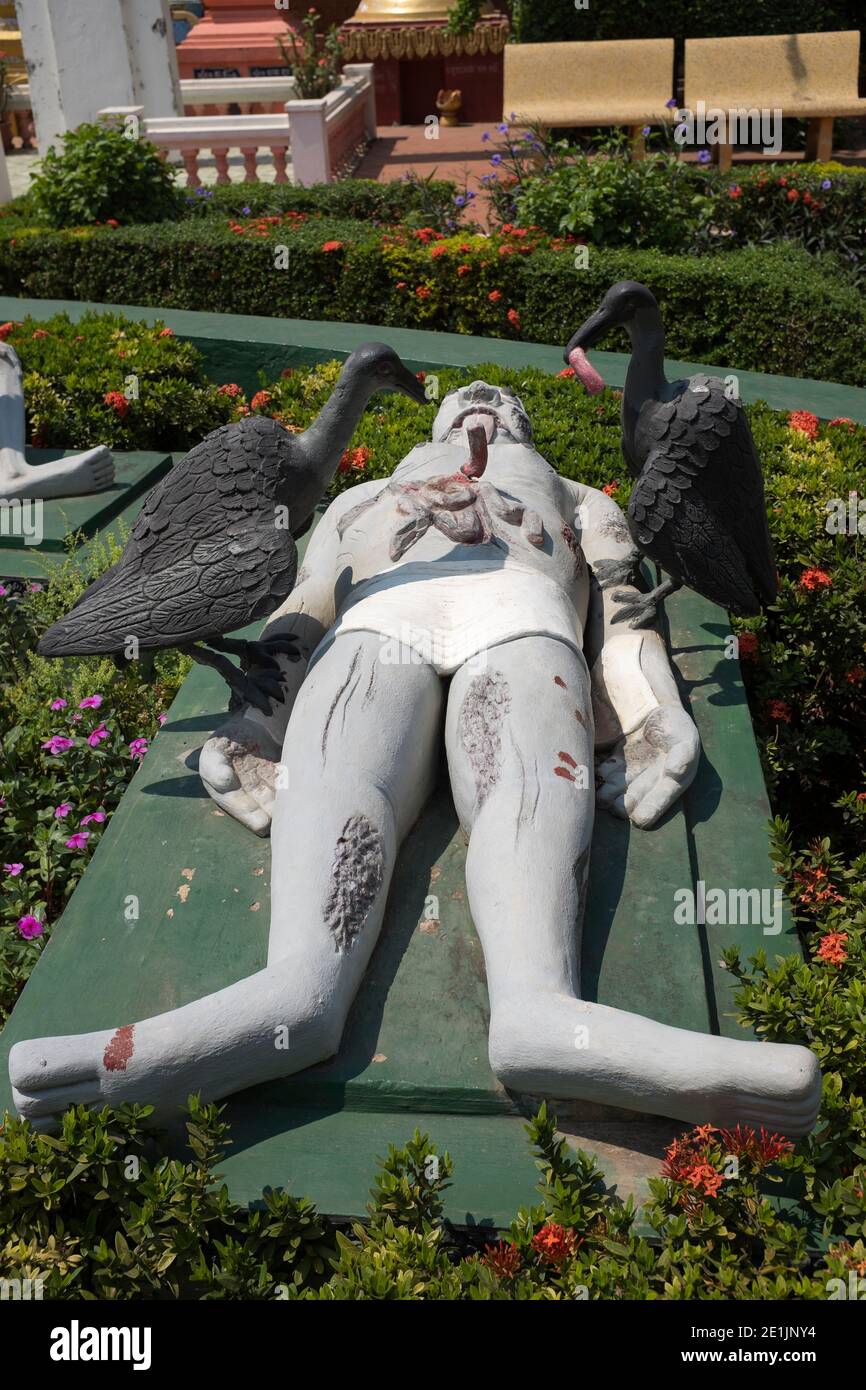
pixel 458 154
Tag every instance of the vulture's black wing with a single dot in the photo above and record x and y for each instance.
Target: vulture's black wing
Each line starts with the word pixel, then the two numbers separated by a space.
pixel 215 512
pixel 671 523
pixel 221 585
pixel 707 434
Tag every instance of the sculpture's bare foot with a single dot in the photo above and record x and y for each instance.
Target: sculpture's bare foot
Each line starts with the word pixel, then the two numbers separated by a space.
pixel 70 477
pixel 549 1044
pixel 238 767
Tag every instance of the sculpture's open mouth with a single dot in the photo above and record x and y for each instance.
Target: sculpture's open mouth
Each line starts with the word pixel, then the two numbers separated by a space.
pixel 478 417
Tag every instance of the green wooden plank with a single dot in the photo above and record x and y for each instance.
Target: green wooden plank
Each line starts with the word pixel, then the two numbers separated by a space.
pixel 237 347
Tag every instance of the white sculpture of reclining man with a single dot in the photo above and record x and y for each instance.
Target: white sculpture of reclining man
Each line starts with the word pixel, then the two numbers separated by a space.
pixel 432 575
pixel 67 477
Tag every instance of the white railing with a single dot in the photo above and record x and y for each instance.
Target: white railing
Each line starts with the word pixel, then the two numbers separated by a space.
pixel 322 133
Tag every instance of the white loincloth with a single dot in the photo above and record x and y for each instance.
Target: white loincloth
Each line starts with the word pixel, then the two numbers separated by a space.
pixel 448 613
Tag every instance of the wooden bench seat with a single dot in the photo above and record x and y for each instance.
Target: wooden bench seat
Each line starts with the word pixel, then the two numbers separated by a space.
pixel 812 76
pixel 601 83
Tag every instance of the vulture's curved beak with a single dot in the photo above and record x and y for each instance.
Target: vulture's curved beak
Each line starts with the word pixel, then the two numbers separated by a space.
pixel 591 331
pixel 408 383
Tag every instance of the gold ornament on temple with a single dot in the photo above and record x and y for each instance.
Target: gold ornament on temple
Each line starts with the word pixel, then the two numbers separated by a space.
pixel 400 11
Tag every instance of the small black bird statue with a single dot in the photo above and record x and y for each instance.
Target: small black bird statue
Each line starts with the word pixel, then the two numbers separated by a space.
pixel 697 508
pixel 213 547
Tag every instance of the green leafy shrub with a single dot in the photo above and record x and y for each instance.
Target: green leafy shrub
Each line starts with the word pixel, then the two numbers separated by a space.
pixel 97 1212
pixel 103 174
pixel 111 380
pixel 774 309
pixel 413 200
pixel 548 21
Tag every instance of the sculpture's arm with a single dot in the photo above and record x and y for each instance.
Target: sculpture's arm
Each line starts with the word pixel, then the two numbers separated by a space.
pixel 238 763
pixel 653 744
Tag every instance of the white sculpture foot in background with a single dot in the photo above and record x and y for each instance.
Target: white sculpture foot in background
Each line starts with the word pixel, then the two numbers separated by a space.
pixel 90 471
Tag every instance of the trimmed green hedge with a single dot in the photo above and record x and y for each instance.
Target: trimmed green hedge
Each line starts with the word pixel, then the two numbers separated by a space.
pixel 537 21
pixel 776 309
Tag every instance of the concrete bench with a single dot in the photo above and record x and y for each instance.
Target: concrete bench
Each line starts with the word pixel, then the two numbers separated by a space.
pixel 803 75
pixel 601 83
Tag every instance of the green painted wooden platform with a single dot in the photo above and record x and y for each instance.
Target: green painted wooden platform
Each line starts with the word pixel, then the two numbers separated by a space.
pixel 94 512
pixel 414 1053
pixel 236 347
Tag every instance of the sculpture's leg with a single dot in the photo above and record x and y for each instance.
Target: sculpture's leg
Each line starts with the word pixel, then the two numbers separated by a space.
pixel 519 737
pixel 359 760
pixel 87 472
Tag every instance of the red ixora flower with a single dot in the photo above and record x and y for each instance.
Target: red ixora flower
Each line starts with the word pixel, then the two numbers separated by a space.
pixel 5 330
pixel 165 333
pixel 230 388
pixel 813 887
pixel 831 948
pixel 260 400
pixel 779 710
pixel 567 371
pixel 332 246
pixel 747 646
pixel 793 195
pixel 814 579
pixel 844 420
pixel 513 318
pixel 502 1259
pixel 855 675
pixel 354 458
pixel 553 1242
pixel 762 1148
pixel 804 422
pixel 464 269
pixel 118 402
pixel 437 251
pixel 495 296
pixel 610 488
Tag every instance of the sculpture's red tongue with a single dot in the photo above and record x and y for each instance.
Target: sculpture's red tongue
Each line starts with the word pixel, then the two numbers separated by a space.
pixel 585 371
pixel 477 436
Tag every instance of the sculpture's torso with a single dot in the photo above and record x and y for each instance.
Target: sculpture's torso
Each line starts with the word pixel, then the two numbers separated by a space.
pixel 452 565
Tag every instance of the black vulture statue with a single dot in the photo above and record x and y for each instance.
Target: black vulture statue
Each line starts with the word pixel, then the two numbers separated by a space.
pixel 213 547
pixel 697 508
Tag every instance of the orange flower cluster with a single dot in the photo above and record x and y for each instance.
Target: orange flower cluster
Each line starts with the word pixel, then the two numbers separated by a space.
pixel 747 646
pixel 805 422
pixel 831 949
pixel 118 402
pixel 779 711
pixel 814 889
pixel 814 579
pixel 503 1259
pixel 554 1243
pixel 355 458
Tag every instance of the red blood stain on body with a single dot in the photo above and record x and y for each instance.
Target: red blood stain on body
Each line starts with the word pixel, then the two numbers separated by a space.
pixel 567 758
pixel 564 772
pixel 557 680
pixel 580 719
pixel 120 1049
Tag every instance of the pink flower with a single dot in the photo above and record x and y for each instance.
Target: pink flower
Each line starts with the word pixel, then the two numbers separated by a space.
pixel 62 811
pixel 78 840
pixel 13 870
pixel 3 591
pixel 98 816
pixel 58 704
pixel 29 926
pixel 58 744
pixel 90 702
pixel 99 733
pixel 137 749
pixel 161 718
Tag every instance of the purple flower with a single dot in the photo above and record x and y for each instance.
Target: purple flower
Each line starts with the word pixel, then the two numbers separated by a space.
pixel 29 926
pixel 58 744
pixel 99 733
pixel 704 157
pixel 460 201
pixel 671 104
pixel 58 703
pixel 502 128
pixel 78 840
pixel 486 136
pixel 137 749
pixel 62 811
pixel 496 159
pixel 98 816
pixel 245 211
pixel 646 130
pixel 826 183
pixel 90 702
pixel 13 870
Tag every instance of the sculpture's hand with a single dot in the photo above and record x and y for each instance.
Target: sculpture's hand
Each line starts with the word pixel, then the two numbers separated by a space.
pixel 650 768
pixel 238 767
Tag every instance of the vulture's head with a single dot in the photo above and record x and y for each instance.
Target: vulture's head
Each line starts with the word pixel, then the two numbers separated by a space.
pixel 382 370
pixel 627 305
